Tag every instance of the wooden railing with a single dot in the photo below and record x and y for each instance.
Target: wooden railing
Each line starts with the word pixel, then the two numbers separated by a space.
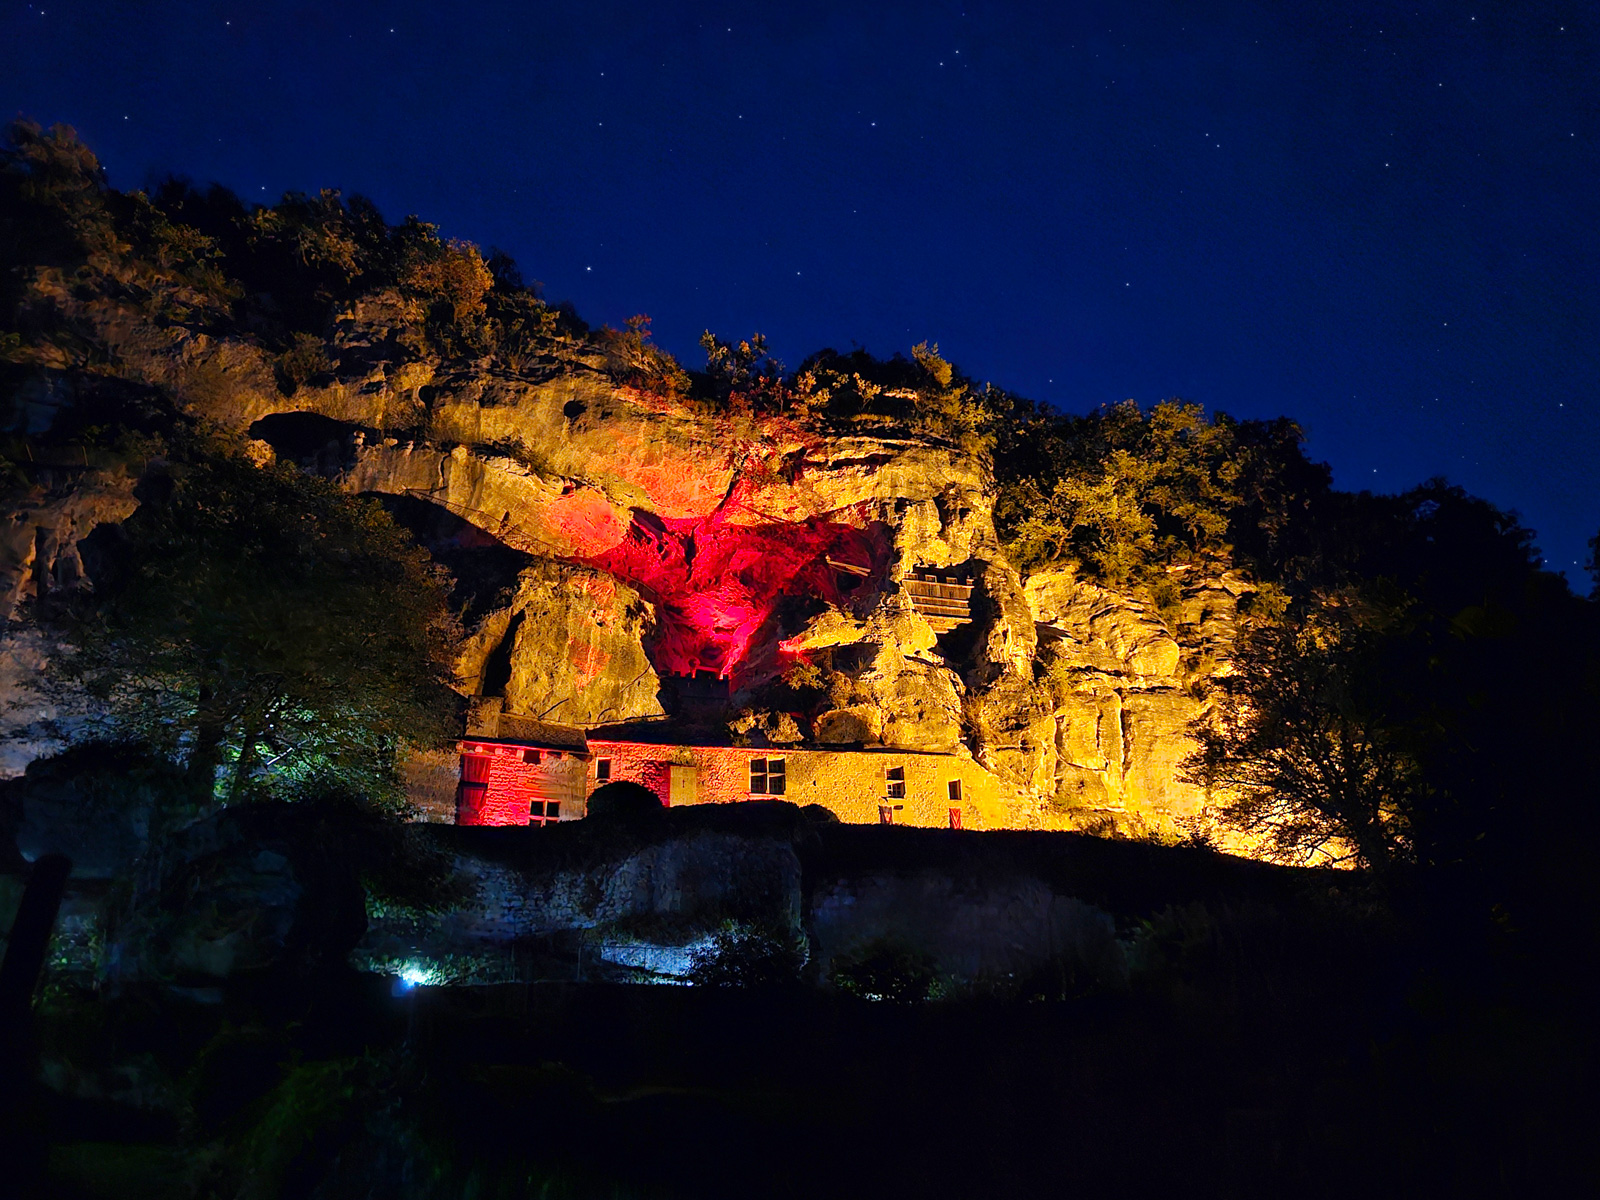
pixel 943 598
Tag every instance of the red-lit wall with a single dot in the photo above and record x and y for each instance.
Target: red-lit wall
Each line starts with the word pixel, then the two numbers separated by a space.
pixel 513 783
pixel 722 772
pixel 722 775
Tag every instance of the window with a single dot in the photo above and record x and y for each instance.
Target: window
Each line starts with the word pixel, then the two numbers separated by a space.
pixel 544 812
pixel 602 770
pixel 955 789
pixel 885 814
pixel 955 818
pixel 530 756
pixel 767 777
pixel 897 783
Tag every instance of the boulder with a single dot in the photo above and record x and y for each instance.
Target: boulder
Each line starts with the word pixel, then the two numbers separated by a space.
pixel 94 803
pixel 262 890
pixel 569 648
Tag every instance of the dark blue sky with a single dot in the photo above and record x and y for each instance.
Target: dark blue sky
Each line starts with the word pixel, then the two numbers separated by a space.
pixel 1381 219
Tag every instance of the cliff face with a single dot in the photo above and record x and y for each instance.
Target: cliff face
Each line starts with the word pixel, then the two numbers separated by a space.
pixel 624 557
pixel 663 545
pixel 43 528
pixel 1125 684
pixel 752 576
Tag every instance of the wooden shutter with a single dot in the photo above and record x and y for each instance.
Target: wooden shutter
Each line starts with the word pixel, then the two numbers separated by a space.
pixel 473 788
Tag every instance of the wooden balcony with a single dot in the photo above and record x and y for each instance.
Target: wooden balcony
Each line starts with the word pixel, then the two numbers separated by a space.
pixel 944 598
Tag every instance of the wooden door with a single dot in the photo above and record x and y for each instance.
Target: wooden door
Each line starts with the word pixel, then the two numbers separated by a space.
pixel 683 786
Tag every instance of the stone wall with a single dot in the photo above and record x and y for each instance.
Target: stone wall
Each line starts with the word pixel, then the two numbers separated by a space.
pixel 644 898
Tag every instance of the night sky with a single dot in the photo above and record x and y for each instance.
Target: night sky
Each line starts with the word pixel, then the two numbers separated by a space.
pixel 1381 219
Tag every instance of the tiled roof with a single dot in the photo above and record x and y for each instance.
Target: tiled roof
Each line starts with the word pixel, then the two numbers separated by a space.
pixel 546 735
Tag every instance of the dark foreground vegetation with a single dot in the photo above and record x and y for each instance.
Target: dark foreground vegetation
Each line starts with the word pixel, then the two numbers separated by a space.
pixel 1249 1058
pixel 1412 691
pixel 1270 1031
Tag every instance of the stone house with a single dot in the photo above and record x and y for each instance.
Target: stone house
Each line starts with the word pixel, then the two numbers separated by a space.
pixel 519 771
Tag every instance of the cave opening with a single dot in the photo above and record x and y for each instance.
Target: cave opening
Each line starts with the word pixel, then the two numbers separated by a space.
pixel 724 587
pixel 307 439
pixel 497 666
pixel 484 571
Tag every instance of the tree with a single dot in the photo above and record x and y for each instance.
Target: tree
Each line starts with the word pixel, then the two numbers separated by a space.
pixel 52 199
pixel 269 631
pixel 633 360
pixel 748 956
pixel 1424 694
pixel 1302 747
pixel 1126 492
pixel 743 373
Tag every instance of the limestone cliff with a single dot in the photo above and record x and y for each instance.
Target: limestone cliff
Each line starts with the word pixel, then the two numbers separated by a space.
pixel 48 517
pixel 662 543
pixel 741 574
pixel 625 553
pixel 1126 683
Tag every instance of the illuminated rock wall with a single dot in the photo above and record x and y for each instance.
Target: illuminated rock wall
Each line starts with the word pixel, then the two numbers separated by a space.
pixel 1126 684
pixel 737 550
pixel 570 647
pixel 663 542
pixel 717 584
pixel 42 532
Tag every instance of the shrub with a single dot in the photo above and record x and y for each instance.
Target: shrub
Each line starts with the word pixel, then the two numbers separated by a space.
pixel 302 362
pixel 749 956
pixel 886 970
pixel 624 799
